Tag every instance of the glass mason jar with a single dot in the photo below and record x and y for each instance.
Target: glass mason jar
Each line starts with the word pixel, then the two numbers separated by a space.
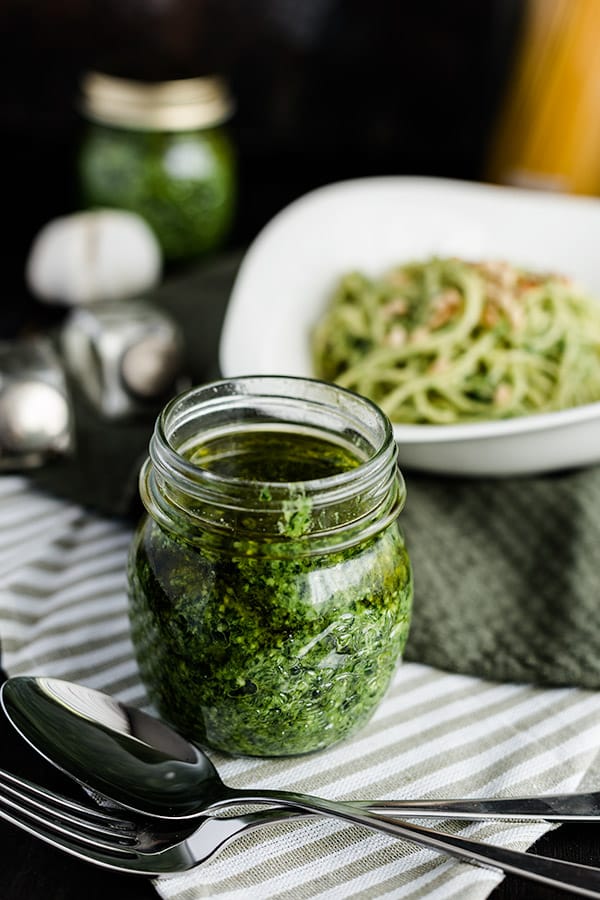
pixel 270 588
pixel 161 149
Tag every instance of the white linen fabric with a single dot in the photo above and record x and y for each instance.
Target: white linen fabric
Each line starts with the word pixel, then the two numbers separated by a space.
pixel 63 613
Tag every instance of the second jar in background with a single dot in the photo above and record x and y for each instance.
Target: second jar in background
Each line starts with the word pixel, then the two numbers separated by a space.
pixel 161 150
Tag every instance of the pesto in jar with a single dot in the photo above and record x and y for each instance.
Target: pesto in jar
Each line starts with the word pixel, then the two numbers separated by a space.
pixel 183 183
pixel 261 651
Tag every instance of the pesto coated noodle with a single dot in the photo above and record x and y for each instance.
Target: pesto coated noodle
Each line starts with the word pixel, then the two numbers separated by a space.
pixel 446 341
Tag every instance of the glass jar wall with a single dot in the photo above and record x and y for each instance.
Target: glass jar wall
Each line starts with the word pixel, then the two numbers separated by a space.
pixel 270 587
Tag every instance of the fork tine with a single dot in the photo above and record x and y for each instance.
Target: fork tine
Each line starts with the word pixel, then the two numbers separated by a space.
pixel 16 783
pixel 18 793
pixel 67 825
pixel 119 860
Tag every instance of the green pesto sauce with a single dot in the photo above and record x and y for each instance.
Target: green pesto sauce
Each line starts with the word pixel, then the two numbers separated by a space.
pixel 182 183
pixel 265 656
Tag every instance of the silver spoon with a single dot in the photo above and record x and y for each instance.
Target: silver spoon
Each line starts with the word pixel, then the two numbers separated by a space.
pixel 140 763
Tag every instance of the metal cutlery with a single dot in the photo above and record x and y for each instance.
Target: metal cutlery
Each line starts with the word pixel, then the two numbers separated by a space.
pixel 152 847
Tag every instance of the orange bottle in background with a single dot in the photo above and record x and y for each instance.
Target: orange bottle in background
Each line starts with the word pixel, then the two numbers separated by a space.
pixel 548 130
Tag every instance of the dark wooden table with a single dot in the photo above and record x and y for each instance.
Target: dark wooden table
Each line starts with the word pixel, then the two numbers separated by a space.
pixel 32 870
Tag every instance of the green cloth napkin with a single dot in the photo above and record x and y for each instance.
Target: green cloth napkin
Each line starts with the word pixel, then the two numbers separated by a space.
pixel 507 585
pixel 507 576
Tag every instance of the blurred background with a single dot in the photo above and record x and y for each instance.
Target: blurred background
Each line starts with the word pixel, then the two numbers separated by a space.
pixel 324 90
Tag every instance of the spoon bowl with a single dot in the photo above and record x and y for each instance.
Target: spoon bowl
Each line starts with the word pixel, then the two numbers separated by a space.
pixel 115 750
pixel 137 761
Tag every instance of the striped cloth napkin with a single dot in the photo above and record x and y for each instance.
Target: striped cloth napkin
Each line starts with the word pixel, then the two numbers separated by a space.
pixel 63 614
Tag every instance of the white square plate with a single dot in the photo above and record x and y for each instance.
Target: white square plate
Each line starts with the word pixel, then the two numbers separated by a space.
pixel 371 224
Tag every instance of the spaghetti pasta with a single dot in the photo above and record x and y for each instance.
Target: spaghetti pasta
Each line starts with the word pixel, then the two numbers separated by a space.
pixel 446 340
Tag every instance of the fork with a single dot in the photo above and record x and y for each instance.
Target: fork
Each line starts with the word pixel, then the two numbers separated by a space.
pixel 129 844
pixel 150 848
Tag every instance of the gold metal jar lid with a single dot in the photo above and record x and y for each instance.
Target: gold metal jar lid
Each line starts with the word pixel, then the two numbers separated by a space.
pixel 177 105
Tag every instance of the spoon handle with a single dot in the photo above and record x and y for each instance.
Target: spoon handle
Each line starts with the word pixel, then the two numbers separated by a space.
pixel 556 873
pixel 583 807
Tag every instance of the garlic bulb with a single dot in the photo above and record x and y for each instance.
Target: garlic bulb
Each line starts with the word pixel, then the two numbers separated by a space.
pixel 93 256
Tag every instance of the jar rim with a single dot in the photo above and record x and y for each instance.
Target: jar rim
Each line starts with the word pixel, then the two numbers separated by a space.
pixel 180 104
pixel 370 492
pixel 254 386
